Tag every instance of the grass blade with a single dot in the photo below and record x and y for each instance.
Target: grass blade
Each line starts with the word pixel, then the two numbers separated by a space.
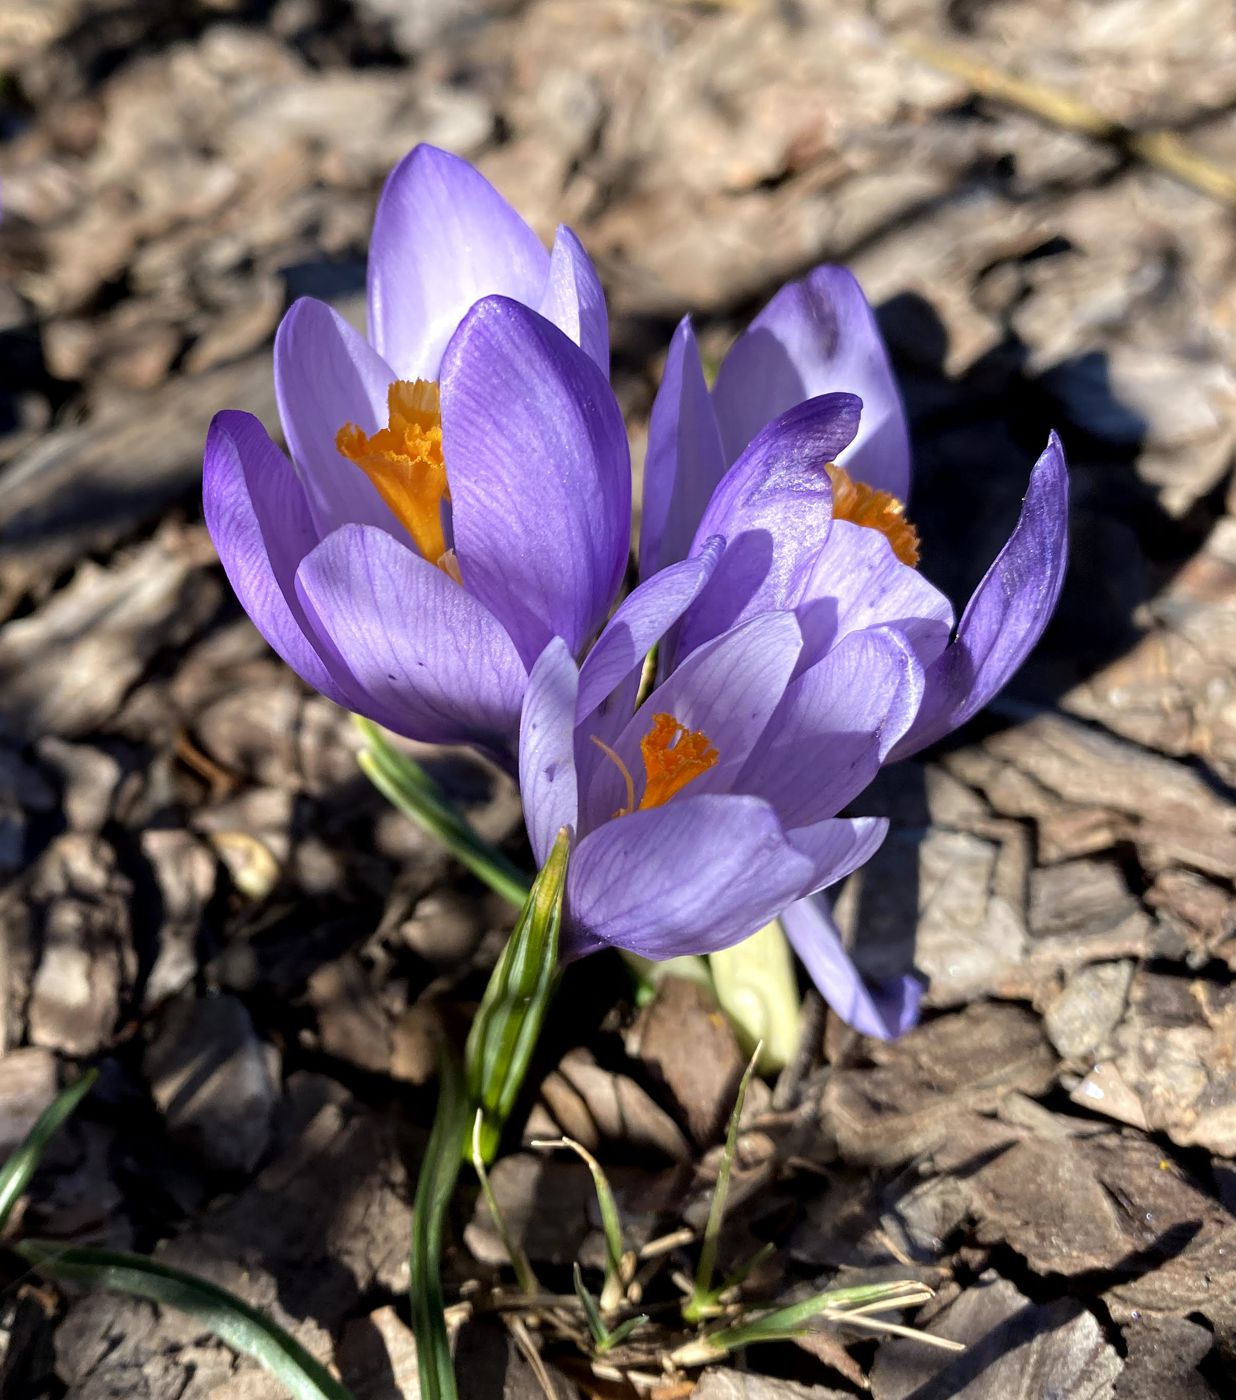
pixel 621 1333
pixel 230 1319
pixel 16 1173
pixel 596 1324
pixel 524 1275
pixel 611 1222
pixel 702 1296
pixel 835 1304
pixel 439 1171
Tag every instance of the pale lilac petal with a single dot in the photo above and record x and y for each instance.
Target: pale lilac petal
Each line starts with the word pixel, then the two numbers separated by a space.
pixel 443 238
pixel 260 523
pixel 641 620
pixel 728 689
pixel 885 1011
pixel 774 510
pixel 574 300
pixel 858 582
pixel 693 876
pixel 547 748
pixel 1008 611
pixel 815 337
pixel 684 462
pixel 837 846
pixel 536 454
pixel 327 374
pixel 432 661
pixel 835 726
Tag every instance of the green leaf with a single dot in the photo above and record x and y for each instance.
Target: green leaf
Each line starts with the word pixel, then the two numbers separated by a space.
pixel 233 1321
pixel 439 1171
pixel 512 1011
pixel 406 785
pixel 16 1173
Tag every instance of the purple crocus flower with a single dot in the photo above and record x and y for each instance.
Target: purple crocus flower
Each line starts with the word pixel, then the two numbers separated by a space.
pixel 798 460
pixel 695 819
pixel 459 489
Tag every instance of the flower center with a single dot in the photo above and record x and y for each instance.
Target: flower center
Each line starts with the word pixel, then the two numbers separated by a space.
pixel 404 461
pixel 673 757
pixel 877 510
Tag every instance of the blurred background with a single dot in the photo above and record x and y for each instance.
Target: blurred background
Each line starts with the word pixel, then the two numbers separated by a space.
pixel 1039 196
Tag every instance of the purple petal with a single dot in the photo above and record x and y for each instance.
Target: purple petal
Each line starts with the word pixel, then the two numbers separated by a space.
pixel 434 664
pixel 536 453
pixel 1006 615
pixel 695 875
pixel 858 582
pixel 774 510
pixel 641 620
pixel 443 238
pixel 884 1011
pixel 815 337
pixel 685 460
pixel 547 748
pixel 327 374
pixel 574 301
pixel 834 726
pixel 728 689
pixel 837 847
pixel 260 523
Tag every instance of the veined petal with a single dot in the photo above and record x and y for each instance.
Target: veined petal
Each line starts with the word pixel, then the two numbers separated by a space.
pixel 774 510
pixel 433 663
pixel 547 781
pixel 834 726
pixel 640 621
pixel 259 520
pixel 540 475
pixel 837 847
pixel 695 875
pixel 858 582
pixel 326 375
pixel 1008 611
pixel 885 1011
pixel 817 336
pixel 574 300
pixel 443 238
pixel 685 460
pixel 728 689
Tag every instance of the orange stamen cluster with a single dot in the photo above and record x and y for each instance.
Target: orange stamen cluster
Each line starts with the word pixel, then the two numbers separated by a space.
pixel 673 757
pixel 877 510
pixel 404 461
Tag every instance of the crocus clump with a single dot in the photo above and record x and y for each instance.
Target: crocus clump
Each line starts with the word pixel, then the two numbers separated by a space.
pixel 444 546
pixel 797 460
pixel 459 488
